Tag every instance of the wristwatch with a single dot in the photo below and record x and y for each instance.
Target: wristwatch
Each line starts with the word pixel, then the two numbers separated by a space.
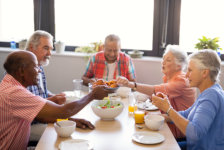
pixel 135 88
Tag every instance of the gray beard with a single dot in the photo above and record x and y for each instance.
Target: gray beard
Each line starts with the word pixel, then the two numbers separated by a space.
pixel 44 63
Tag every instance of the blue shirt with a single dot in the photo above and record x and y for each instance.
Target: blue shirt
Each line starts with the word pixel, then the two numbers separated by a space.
pixel 205 130
pixel 37 90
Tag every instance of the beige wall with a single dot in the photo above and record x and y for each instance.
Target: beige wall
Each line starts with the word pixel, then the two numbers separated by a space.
pixel 63 68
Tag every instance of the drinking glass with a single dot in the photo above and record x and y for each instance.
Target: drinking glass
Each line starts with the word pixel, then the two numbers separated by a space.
pixel 131 103
pixel 77 87
pixel 139 116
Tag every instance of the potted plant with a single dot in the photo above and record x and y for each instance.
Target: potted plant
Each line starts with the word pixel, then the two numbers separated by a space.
pixel 208 43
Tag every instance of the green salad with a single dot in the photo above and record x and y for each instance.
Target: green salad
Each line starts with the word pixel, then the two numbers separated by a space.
pixel 108 105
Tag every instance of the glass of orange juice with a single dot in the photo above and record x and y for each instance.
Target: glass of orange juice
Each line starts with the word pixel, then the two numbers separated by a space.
pixel 139 116
pixel 131 103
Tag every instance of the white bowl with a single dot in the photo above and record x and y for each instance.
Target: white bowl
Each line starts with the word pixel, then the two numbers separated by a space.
pixel 66 128
pixel 136 54
pixel 123 92
pixel 154 122
pixel 140 97
pixel 107 113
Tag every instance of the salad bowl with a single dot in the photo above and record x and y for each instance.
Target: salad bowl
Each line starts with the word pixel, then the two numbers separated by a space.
pixel 106 109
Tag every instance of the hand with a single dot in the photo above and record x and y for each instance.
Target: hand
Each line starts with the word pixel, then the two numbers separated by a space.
pixel 162 103
pixel 122 81
pixel 92 80
pixel 82 123
pixel 58 98
pixel 99 92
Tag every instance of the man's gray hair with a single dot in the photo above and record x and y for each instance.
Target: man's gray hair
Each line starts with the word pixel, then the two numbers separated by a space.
pixel 35 38
pixel 112 38
pixel 179 54
pixel 208 59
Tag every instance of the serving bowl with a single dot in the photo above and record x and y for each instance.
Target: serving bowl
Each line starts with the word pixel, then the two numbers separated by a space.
pixel 65 128
pixel 154 122
pixel 106 109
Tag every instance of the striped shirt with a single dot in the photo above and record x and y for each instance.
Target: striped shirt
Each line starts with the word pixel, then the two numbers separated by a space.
pixel 18 108
pixel 98 67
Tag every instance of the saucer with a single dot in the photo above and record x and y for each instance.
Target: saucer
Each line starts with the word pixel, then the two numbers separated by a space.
pixel 148 137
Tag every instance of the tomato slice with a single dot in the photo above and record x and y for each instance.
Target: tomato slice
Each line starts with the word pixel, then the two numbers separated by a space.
pixel 104 107
pixel 112 106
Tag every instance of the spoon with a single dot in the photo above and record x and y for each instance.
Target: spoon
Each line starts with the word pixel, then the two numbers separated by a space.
pixel 139 126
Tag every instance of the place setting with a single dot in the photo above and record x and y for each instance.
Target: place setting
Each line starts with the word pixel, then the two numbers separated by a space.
pixel 153 123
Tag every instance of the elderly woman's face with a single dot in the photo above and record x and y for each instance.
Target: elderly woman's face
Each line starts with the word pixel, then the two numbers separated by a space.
pixel 194 74
pixel 169 66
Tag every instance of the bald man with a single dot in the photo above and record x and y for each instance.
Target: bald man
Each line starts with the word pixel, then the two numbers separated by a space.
pixel 19 106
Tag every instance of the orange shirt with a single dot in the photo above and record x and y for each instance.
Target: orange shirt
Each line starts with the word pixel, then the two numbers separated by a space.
pixel 180 95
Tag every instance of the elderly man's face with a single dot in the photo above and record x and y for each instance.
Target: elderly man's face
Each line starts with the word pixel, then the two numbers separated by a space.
pixel 169 66
pixel 43 51
pixel 31 72
pixel 111 51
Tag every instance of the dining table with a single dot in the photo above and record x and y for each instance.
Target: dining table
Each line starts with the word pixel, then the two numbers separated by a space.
pixel 114 134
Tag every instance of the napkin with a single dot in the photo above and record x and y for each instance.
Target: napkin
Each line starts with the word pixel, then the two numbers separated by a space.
pixel 74 144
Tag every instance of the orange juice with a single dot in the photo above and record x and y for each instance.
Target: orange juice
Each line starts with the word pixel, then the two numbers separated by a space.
pixel 139 116
pixel 132 108
pixel 61 119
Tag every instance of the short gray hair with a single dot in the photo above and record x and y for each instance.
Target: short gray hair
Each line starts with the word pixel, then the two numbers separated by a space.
pixel 112 38
pixel 208 59
pixel 179 54
pixel 35 38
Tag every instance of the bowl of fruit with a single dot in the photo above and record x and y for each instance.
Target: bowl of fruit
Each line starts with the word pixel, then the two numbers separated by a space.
pixel 107 109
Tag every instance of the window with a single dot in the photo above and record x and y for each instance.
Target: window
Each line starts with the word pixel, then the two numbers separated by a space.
pixel 16 19
pixel 201 18
pixel 81 22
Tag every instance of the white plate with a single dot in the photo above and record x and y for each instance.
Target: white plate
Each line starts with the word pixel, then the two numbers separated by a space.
pixel 148 137
pixel 147 105
pixel 73 144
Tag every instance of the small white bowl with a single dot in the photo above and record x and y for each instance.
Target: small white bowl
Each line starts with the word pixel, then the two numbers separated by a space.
pixel 140 97
pixel 66 128
pixel 154 122
pixel 107 113
pixel 123 92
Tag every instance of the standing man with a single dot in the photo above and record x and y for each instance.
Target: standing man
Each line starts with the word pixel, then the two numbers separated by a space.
pixel 41 44
pixel 110 63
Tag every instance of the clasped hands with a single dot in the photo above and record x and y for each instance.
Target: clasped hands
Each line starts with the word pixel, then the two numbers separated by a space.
pixel 161 101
